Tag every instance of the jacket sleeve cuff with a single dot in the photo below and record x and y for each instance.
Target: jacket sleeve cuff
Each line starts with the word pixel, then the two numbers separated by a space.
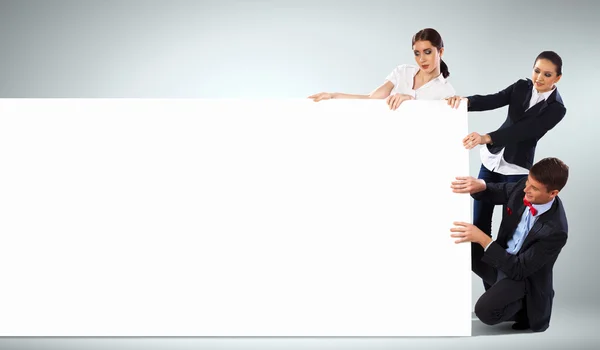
pixel 493 255
pixel 487 246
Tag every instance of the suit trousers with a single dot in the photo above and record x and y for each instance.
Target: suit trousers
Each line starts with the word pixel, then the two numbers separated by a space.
pixel 503 300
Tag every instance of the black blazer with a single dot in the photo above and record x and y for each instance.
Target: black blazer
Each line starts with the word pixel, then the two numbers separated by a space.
pixel 522 129
pixel 535 260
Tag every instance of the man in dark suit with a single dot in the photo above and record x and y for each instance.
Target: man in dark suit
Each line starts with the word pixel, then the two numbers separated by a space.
pixel 517 266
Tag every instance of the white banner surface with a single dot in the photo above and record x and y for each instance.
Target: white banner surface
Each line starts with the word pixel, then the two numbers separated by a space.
pixel 175 217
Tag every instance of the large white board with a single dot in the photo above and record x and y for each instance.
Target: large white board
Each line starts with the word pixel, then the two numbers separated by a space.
pixel 175 217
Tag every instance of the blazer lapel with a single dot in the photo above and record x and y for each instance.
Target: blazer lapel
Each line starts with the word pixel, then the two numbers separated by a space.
pixel 544 105
pixel 554 96
pixel 527 96
pixel 511 226
pixel 537 109
pixel 539 224
pixel 550 99
pixel 535 230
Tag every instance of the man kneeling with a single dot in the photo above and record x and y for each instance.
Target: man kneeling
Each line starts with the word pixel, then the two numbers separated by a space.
pixel 517 267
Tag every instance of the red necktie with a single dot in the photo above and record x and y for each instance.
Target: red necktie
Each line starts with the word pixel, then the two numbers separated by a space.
pixel 531 208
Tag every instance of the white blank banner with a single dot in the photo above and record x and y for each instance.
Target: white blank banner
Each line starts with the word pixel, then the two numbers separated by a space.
pixel 133 217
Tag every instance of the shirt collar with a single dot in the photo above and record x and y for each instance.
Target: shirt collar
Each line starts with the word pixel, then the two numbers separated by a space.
pixel 542 208
pixel 439 77
pixel 544 95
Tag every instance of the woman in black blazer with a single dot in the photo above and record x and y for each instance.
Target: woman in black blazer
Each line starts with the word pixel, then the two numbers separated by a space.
pixel 534 108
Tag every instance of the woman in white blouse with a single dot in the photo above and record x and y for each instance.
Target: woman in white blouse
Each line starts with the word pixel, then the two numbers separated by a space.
pixel 424 81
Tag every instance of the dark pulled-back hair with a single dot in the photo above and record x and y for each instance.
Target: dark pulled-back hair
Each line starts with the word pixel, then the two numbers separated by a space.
pixel 552 57
pixel 431 35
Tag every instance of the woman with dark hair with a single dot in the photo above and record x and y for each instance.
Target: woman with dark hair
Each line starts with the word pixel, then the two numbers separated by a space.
pixel 534 108
pixel 424 81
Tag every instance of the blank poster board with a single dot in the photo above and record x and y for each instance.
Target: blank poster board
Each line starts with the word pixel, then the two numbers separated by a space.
pixel 175 217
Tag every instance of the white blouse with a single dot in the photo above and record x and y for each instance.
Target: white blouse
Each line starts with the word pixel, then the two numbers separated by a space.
pixel 403 79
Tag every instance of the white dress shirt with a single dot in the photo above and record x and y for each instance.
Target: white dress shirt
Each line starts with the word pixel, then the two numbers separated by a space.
pixel 403 79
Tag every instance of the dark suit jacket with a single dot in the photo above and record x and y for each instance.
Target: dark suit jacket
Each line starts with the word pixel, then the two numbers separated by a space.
pixel 522 129
pixel 535 260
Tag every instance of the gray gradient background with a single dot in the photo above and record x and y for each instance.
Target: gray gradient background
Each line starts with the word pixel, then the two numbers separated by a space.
pixel 291 49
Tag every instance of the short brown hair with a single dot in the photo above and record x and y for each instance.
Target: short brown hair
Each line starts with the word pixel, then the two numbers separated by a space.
pixel 551 172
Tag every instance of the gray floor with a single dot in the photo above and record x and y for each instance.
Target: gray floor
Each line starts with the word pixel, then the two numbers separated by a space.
pixel 572 327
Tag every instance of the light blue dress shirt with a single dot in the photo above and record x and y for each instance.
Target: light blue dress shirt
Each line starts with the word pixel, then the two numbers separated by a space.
pixel 527 220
